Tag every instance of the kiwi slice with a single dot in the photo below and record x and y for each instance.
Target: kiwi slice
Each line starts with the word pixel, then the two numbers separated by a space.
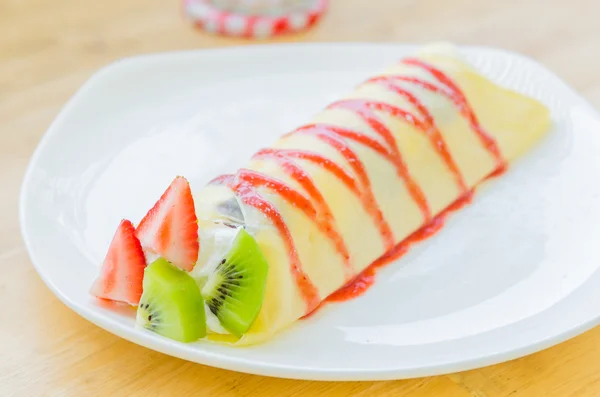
pixel 171 304
pixel 234 292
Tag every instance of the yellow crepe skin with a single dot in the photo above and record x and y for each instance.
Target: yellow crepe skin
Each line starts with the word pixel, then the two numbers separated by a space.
pixel 514 121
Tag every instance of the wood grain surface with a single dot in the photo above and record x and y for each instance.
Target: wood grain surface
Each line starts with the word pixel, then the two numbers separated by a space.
pixel 48 48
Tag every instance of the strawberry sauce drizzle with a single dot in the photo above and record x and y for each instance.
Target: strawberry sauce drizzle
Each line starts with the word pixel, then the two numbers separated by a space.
pixel 333 136
pixel 245 188
pixel 293 197
pixel 323 217
pixel 365 109
pixel 244 184
pixel 426 124
pixel 458 97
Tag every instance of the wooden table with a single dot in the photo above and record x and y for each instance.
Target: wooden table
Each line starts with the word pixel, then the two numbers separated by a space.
pixel 49 48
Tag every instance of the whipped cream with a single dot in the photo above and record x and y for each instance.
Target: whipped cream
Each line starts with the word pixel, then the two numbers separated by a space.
pixel 215 241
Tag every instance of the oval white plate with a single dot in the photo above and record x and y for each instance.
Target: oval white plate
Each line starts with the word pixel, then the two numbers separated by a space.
pixel 513 273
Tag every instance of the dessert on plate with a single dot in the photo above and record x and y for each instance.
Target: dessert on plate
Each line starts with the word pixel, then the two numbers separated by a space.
pixel 254 251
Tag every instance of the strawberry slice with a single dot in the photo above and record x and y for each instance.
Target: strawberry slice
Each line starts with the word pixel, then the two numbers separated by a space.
pixel 170 228
pixel 122 272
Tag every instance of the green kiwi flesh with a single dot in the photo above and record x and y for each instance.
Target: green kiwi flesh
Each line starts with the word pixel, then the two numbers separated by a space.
pixel 234 292
pixel 171 304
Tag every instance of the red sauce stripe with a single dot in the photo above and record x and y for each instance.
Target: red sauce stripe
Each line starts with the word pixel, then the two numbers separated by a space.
pixel 226 179
pixel 319 160
pixel 333 136
pixel 365 109
pixel 461 100
pixel 290 195
pixel 309 292
pixel 426 125
pixel 324 219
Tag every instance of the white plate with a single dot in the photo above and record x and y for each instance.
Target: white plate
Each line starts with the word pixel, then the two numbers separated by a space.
pixel 513 273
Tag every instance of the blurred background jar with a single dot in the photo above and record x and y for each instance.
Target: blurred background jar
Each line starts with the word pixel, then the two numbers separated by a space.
pixel 254 18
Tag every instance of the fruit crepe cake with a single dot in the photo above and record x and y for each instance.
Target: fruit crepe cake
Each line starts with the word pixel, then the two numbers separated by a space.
pixel 253 251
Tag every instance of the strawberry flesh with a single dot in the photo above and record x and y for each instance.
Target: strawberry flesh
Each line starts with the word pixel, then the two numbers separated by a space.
pixel 122 271
pixel 170 228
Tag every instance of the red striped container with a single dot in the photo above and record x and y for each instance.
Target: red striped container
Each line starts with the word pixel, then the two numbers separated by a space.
pixel 256 19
